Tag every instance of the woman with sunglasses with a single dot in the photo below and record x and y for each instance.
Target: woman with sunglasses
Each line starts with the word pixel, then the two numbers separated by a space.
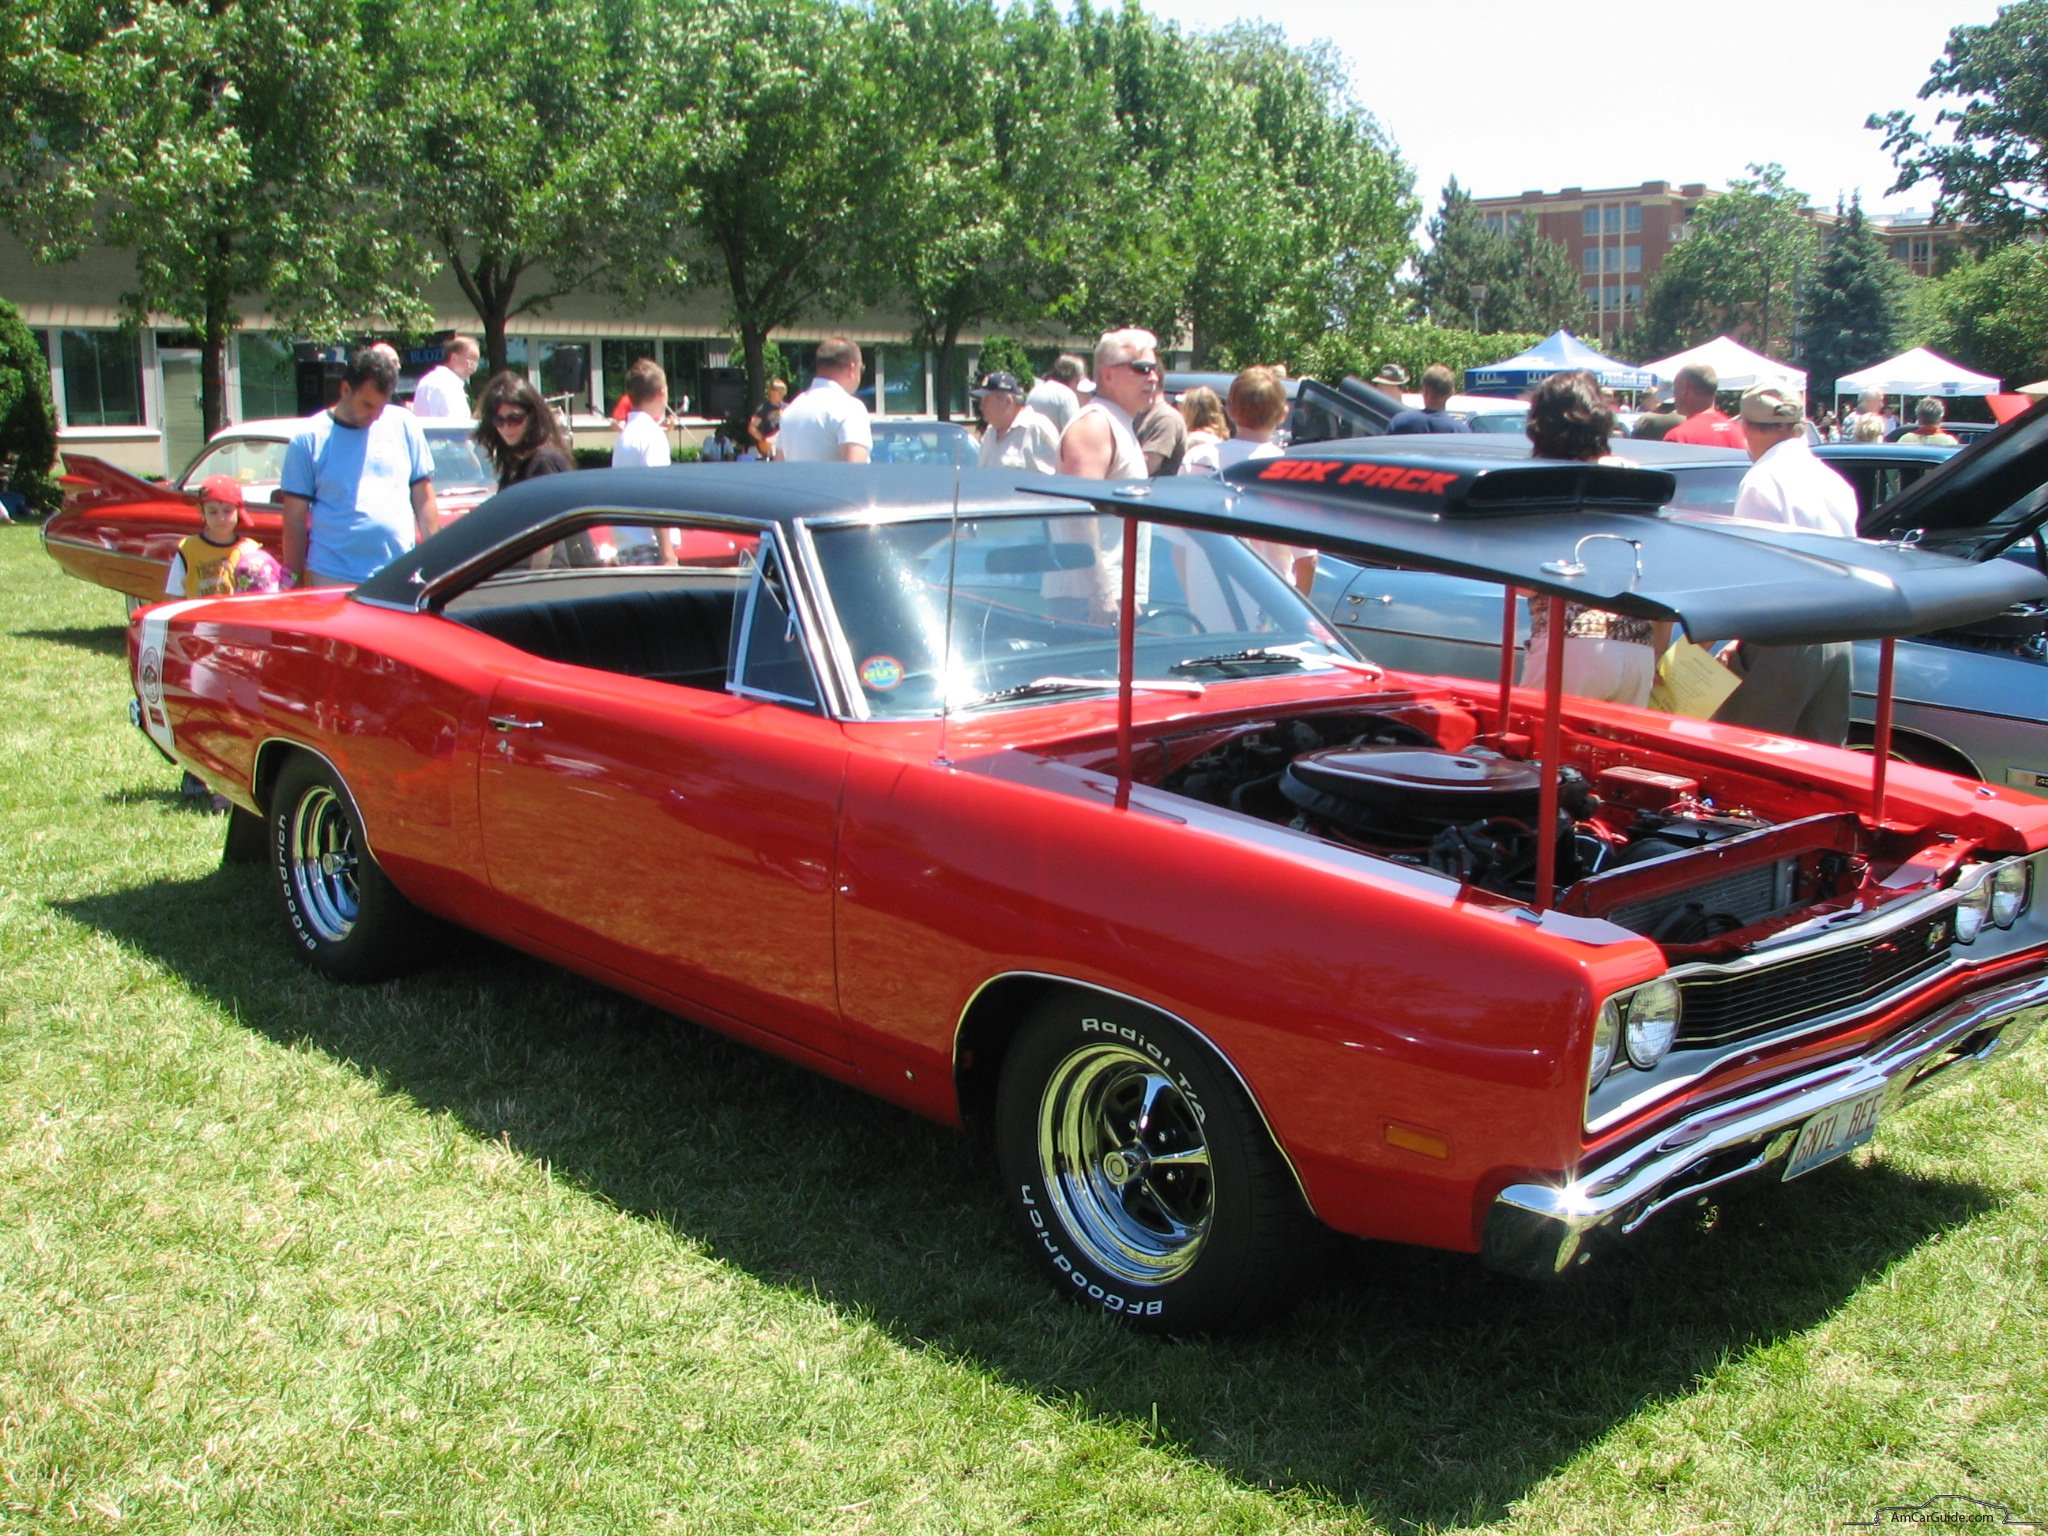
pixel 519 432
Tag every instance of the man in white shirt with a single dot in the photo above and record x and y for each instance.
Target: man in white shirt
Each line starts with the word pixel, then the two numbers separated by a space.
pixel 827 424
pixel 641 441
pixel 1057 396
pixel 1786 482
pixel 1792 690
pixel 1016 437
pixel 443 391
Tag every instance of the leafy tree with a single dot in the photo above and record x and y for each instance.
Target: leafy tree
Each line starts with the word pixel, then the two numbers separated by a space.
pixel 768 122
pixel 1990 313
pixel 1525 282
pixel 28 418
pixel 222 147
pixel 1005 354
pixel 523 140
pixel 1736 270
pixel 1992 163
pixel 1852 312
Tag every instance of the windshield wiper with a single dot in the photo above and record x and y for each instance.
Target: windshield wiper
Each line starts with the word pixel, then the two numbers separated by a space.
pixel 1298 655
pixel 1040 686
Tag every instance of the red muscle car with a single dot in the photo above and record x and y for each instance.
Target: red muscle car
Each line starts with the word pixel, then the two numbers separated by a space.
pixel 1056 814
pixel 119 531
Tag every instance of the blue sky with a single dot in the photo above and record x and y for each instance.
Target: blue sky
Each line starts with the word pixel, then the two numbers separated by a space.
pixel 1510 96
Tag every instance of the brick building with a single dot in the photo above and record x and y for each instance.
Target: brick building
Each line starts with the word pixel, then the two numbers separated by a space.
pixel 1616 236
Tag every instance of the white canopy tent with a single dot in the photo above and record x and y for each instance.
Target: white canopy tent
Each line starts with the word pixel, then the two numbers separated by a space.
pixel 1736 365
pixel 1918 372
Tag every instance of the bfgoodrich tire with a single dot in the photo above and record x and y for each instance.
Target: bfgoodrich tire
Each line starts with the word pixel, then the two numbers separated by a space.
pixel 345 919
pixel 1146 1183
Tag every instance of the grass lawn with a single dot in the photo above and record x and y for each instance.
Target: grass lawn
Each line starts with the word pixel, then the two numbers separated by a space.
pixel 492 1250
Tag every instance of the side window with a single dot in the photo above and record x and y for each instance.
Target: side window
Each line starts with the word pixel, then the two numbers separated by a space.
pixel 768 657
pixel 634 598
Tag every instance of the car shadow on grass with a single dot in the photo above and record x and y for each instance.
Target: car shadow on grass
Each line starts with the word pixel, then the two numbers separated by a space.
pixel 1412 1385
pixel 108 640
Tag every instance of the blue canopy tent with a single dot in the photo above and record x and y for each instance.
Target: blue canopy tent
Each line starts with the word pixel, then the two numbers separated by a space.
pixel 1557 353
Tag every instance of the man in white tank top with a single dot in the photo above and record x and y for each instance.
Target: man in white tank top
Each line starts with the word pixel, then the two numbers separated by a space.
pixel 1100 444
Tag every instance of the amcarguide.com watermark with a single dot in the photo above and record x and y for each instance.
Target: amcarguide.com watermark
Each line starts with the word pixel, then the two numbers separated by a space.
pixel 1952 1509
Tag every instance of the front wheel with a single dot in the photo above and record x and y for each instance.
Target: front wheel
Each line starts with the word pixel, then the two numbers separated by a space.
pixel 1145 1181
pixel 346 919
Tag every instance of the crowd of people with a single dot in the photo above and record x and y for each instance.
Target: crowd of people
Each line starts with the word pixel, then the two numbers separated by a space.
pixel 357 485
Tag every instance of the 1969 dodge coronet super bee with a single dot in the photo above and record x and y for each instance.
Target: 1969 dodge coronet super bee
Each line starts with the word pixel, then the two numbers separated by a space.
pixel 1056 814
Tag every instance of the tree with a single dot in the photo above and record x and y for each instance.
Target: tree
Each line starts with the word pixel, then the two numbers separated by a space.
pixel 1736 270
pixel 523 138
pixel 769 123
pixel 1992 164
pixel 1852 313
pixel 1494 280
pixel 28 418
pixel 222 147
pixel 1990 313
pixel 1004 354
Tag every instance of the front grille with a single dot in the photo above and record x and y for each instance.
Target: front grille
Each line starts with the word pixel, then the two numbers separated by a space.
pixel 1720 1009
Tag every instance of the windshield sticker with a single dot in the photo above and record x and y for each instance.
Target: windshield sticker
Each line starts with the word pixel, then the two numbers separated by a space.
pixel 881 673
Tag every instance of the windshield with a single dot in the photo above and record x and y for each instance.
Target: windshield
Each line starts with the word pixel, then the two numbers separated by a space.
pixel 1034 609
pixel 456 461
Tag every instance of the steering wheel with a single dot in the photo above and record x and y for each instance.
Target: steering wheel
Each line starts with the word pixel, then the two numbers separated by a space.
pixel 1165 619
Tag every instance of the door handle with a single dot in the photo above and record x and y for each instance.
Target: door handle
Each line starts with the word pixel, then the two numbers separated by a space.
pixel 514 723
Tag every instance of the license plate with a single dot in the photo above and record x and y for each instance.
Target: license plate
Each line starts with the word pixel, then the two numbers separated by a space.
pixel 1834 1131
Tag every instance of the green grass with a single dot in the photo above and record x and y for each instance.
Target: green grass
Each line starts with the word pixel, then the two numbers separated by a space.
pixel 493 1250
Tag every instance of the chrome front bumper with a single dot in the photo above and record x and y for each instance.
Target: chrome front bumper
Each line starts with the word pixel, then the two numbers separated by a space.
pixel 1540 1230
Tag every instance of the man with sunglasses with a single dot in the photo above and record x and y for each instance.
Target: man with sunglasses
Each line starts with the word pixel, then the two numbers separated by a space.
pixel 1101 441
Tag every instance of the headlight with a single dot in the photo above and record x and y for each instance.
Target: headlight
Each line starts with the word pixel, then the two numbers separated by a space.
pixel 1972 911
pixel 1652 1022
pixel 1606 1035
pixel 2010 888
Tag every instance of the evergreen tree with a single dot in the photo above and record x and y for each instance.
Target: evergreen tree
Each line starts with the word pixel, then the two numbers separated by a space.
pixel 1474 275
pixel 1851 315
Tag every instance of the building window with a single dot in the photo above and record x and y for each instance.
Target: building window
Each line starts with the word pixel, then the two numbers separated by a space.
pixel 1514 222
pixel 1592 258
pixel 1632 293
pixel 269 375
pixel 1610 218
pixel 903 372
pixel 1589 222
pixel 102 378
pixel 1613 296
pixel 565 370
pixel 1901 250
pixel 1922 251
pixel 1632 258
pixel 1632 218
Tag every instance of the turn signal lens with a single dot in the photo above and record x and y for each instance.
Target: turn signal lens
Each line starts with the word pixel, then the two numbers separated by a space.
pixel 1606 1036
pixel 2010 888
pixel 1652 1022
pixel 1972 912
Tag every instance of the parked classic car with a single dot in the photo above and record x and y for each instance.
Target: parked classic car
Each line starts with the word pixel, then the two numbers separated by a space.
pixel 1973 700
pixel 119 531
pixel 1075 824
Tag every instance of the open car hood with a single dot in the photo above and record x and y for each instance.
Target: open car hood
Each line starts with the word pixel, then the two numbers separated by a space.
pixel 1322 414
pixel 1586 532
pixel 1985 499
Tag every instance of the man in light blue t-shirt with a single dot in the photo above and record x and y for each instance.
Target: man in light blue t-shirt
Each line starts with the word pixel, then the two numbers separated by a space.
pixel 358 483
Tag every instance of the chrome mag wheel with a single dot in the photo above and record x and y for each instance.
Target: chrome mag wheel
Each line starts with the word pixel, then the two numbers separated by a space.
pixel 320 858
pixel 1126 1163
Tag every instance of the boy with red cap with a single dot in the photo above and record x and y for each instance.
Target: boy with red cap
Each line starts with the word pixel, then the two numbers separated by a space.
pixel 216 561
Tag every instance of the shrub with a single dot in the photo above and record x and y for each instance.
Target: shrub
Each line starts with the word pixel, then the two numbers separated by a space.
pixel 1004 354
pixel 28 418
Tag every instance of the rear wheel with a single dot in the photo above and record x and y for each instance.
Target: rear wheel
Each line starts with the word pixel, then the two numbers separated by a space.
pixel 345 918
pixel 1146 1183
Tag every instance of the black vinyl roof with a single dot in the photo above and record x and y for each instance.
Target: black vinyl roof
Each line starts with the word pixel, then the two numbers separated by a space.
pixel 1428 507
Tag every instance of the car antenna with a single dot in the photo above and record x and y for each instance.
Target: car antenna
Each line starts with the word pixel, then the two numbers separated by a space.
pixel 946 655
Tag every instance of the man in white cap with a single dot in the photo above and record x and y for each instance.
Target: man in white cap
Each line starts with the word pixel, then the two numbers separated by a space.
pixel 1787 483
pixel 1016 436
pixel 1792 690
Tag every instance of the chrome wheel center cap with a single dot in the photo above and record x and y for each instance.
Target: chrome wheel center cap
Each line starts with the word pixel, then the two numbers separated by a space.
pixel 1121 1167
pixel 334 864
